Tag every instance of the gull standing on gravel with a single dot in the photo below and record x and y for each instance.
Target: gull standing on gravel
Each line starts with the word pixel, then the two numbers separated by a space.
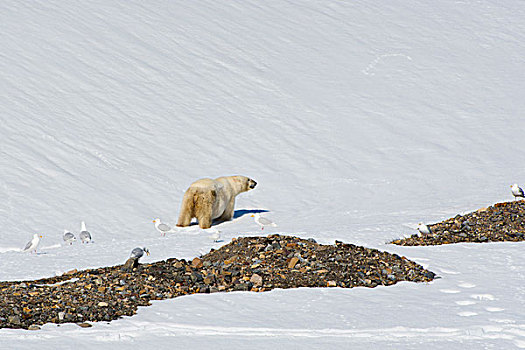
pixel 138 252
pixel 261 221
pixel 33 244
pixel 517 191
pixel 69 237
pixel 84 235
pixel 162 228
pixel 423 229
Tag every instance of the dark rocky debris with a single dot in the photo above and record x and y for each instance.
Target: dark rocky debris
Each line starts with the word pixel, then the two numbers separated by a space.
pixel 255 264
pixel 498 223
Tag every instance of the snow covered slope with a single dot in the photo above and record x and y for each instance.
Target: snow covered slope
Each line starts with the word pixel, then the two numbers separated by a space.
pixel 357 119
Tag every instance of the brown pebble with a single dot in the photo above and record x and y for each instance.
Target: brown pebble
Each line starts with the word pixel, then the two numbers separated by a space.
pixel 293 262
pixel 256 280
pixel 85 325
pixel 196 263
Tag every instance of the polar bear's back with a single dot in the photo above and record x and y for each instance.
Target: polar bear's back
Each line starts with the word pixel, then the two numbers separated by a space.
pixel 206 184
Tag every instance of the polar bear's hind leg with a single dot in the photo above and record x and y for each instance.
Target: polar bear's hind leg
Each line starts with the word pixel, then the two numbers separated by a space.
pixel 186 212
pixel 204 209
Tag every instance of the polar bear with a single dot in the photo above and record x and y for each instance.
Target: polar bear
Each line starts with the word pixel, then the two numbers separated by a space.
pixel 208 199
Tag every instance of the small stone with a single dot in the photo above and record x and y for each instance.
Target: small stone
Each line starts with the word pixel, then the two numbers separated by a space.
pixel 85 325
pixel 331 284
pixel 102 304
pixel 256 280
pixel 14 319
pixel 61 315
pixel 293 262
pixel 130 264
pixel 197 263
pixel 33 327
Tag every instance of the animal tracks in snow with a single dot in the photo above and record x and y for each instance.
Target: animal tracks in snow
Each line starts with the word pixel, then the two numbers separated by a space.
pixel 465 305
pixel 450 291
pixel 494 309
pixel 467 313
pixel 103 333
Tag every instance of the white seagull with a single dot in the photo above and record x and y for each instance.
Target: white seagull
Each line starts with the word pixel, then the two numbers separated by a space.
pixel 162 228
pixel 215 235
pixel 69 237
pixel 423 229
pixel 517 191
pixel 33 244
pixel 138 252
pixel 261 221
pixel 84 235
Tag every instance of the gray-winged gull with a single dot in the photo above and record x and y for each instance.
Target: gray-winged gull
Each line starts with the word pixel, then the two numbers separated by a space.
pixel 262 221
pixel 162 228
pixel 84 235
pixel 68 237
pixel 517 191
pixel 33 244
pixel 138 252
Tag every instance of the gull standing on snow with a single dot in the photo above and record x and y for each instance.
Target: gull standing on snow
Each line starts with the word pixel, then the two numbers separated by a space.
pixel 423 229
pixel 162 228
pixel 33 244
pixel 138 252
pixel 84 235
pixel 215 235
pixel 261 221
pixel 69 237
pixel 517 191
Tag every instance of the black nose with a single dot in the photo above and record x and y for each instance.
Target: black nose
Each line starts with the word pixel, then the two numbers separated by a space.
pixel 253 184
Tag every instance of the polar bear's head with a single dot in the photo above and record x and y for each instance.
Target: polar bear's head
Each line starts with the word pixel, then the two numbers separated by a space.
pixel 244 183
